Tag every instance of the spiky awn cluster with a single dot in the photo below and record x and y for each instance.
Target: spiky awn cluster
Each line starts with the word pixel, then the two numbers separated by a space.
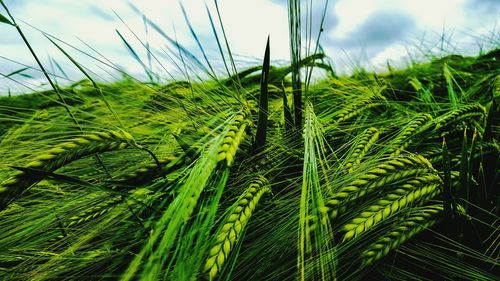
pixel 463 113
pixel 389 205
pixel 367 139
pixel 61 155
pixel 354 109
pixel 233 138
pixel 418 220
pixel 151 170
pixel 234 226
pixel 383 174
pixel 417 125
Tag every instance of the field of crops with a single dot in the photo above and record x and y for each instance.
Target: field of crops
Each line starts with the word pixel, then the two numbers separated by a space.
pixel 261 175
pixel 393 175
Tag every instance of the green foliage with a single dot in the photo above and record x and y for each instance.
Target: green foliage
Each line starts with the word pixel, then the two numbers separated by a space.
pixel 138 180
pixel 260 135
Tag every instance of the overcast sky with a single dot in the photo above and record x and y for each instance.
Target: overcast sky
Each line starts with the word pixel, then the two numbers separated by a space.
pixel 365 33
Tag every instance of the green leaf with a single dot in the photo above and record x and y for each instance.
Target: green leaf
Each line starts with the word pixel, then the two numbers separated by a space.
pixel 135 55
pixel 260 137
pixel 5 20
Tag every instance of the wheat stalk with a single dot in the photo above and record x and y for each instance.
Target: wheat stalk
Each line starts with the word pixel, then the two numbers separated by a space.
pixel 383 174
pixel 390 204
pixel 93 212
pixel 61 155
pixel 419 220
pixel 354 109
pixel 366 141
pixel 105 206
pixel 233 138
pixel 416 126
pixel 235 224
pixel 431 152
pixel 464 113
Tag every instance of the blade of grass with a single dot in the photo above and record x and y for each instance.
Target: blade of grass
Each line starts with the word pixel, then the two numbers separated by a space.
pixel 185 51
pixel 260 136
pixel 135 55
pixel 148 49
pixel 26 42
pixel 317 44
pixel 56 90
pixel 108 106
pixel 60 69
pixel 488 128
pixel 231 59
pixel 464 167
pixel 198 42
pixel 214 31
pixel 189 150
pixel 448 199
pixel 146 45
pixel 94 84
pixel 294 25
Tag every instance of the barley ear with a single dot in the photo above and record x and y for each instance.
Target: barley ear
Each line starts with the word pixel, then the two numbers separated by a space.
pixel 419 220
pixel 416 126
pixel 382 175
pixel 233 138
pixel 388 206
pixel 464 113
pixel 232 229
pixel 366 141
pixel 63 154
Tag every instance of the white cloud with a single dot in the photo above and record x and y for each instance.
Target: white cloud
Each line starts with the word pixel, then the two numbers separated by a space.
pixel 247 25
pixel 393 54
pixel 461 21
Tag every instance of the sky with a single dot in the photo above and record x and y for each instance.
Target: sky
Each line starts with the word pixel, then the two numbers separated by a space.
pixel 356 33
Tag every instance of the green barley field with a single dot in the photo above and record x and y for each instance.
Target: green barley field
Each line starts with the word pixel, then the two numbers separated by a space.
pixel 262 174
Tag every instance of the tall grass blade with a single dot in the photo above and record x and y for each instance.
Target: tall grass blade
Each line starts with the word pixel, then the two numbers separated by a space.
pixel 198 42
pixel 61 70
pixel 230 55
pixel 148 47
pixel 56 90
pixel 314 242
pixel 160 31
pixel 94 84
pixel 41 174
pixel 447 193
pixel 464 169
pixel 295 33
pixel 135 55
pixel 219 46
pixel 260 136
